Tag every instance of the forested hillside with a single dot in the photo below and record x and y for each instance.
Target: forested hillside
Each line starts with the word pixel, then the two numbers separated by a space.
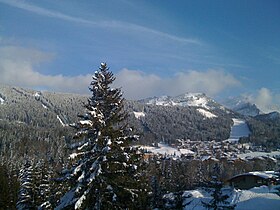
pixel 37 123
pixel 36 136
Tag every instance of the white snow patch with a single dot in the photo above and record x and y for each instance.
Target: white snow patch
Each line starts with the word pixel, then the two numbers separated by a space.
pixel 164 149
pixel 1 100
pixel 258 198
pixel 188 99
pixel 44 106
pixel 274 154
pixel 37 94
pixel 161 101
pixel 138 115
pixel 60 121
pixel 186 152
pixel 206 113
pixel 239 129
pixel 67 199
pixel 195 99
pixel 86 122
pixel 73 155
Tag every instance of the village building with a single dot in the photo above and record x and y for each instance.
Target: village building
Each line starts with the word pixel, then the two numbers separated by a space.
pixel 253 179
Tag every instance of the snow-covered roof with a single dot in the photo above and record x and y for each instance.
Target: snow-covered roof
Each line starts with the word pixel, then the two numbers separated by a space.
pixel 261 174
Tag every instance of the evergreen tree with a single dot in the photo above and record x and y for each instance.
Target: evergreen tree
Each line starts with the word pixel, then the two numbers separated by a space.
pixel 26 190
pixel 156 197
pixel 219 199
pixel 105 168
pixel 43 185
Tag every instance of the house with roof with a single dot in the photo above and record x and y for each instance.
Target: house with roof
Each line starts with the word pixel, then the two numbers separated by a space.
pixel 253 179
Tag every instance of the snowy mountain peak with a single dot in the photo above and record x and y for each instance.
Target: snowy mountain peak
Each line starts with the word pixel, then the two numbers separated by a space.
pixel 242 105
pixel 273 116
pixel 187 99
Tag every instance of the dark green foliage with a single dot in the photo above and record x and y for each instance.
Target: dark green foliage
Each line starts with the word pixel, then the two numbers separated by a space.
pixel 9 188
pixel 265 132
pixel 106 170
pixel 26 193
pixel 219 200
pixel 169 123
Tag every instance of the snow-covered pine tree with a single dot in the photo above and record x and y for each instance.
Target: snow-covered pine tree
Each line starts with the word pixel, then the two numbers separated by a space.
pixel 105 168
pixel 219 198
pixel 43 175
pixel 26 190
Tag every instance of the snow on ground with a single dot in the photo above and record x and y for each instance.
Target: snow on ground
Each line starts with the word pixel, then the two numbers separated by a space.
pixel 60 121
pixel 273 154
pixel 1 100
pixel 206 113
pixel 165 149
pixel 195 99
pixel 188 99
pixel 37 94
pixel 161 101
pixel 138 115
pixel 258 198
pixel 239 129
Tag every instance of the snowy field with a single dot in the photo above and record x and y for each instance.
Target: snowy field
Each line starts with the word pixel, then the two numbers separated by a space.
pixel 258 198
pixel 164 149
pixel 273 154
pixel 239 129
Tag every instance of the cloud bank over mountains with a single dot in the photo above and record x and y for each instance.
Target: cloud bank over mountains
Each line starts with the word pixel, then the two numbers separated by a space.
pixel 137 84
pixel 18 68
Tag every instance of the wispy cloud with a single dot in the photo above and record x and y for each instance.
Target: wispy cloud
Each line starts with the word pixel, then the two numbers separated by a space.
pixel 105 24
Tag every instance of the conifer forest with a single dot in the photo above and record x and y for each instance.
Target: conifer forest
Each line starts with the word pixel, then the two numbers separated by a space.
pixel 100 151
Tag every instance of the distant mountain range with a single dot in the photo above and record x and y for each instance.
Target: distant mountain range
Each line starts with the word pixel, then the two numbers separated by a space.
pixel 242 105
pixel 245 107
pixel 192 116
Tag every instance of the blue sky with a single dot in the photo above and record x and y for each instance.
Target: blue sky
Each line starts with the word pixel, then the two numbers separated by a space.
pixel 158 47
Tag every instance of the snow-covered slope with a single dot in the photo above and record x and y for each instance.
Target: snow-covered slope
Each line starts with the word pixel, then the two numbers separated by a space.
pixel 239 129
pixel 164 149
pixel 206 113
pixel 203 104
pixel 188 99
pixel 272 117
pixel 258 198
pixel 241 105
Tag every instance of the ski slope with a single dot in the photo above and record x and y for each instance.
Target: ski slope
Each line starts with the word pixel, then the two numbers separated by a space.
pixel 239 129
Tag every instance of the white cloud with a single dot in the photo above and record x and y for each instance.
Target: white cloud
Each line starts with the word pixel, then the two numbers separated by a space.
pixel 266 100
pixel 136 84
pixel 17 68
